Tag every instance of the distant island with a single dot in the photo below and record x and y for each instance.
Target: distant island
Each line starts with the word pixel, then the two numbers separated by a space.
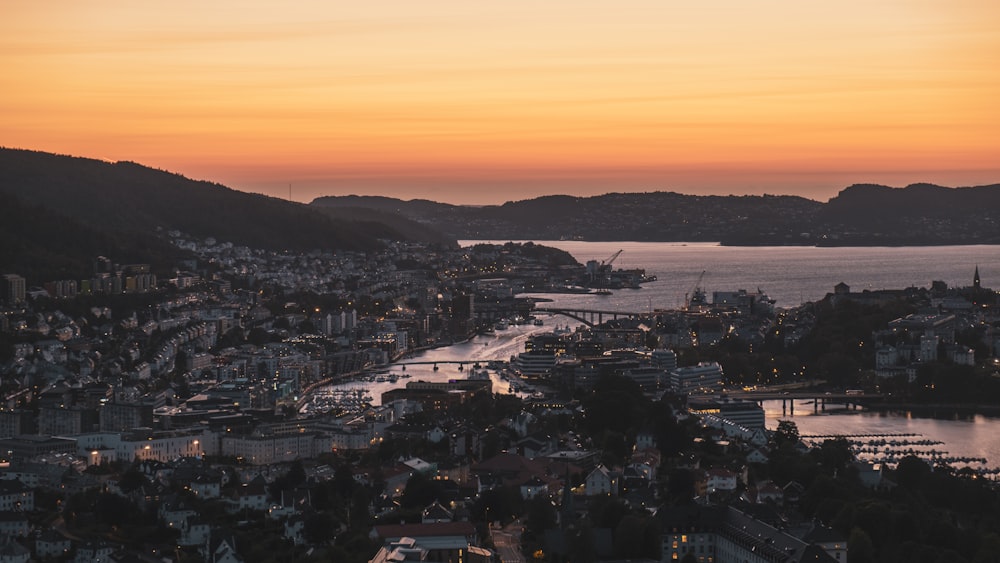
pixel 860 215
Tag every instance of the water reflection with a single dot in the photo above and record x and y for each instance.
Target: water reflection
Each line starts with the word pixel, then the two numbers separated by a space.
pixel 499 345
pixel 974 436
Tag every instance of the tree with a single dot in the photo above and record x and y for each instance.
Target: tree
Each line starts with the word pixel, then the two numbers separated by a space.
pixel 859 545
pixel 258 337
pixel 834 455
pixel 912 472
pixel 989 550
pixel 131 480
pixel 581 543
pixel 786 433
pixel 680 486
pixel 541 515
pixel 359 516
pixel 343 480
pixel 420 492
pixel 113 510
pixel 628 537
pixel 319 527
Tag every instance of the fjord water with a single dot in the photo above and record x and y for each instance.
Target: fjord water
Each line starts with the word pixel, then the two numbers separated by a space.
pixel 791 276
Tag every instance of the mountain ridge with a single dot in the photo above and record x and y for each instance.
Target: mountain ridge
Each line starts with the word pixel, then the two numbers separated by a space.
pixel 860 214
pixel 82 207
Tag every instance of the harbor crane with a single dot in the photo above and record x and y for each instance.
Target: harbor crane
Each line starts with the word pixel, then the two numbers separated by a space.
pixel 697 295
pixel 606 265
pixel 597 270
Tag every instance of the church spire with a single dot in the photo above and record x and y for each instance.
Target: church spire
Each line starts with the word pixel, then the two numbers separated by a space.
pixel 975 279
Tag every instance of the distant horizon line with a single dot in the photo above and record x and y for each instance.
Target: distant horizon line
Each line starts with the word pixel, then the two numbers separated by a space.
pixel 288 185
pixel 660 191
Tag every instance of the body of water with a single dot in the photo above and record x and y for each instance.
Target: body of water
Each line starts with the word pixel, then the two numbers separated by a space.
pixel 974 436
pixel 791 275
pixel 499 345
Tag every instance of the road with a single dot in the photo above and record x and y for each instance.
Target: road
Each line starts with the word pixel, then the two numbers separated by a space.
pixel 507 541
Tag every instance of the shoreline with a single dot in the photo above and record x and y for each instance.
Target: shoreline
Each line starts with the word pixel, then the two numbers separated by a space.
pixel 937 410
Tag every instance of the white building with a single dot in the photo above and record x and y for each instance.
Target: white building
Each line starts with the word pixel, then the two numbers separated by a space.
pixel 256 449
pixel 145 444
pixel 602 481
pixel 706 377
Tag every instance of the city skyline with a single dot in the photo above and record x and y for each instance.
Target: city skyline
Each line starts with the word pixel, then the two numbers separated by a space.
pixel 485 104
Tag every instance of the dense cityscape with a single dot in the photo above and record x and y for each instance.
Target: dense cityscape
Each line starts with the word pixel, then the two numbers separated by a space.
pixel 196 417
pixel 500 282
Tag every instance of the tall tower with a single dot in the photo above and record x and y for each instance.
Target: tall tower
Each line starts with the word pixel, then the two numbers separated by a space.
pixel 975 279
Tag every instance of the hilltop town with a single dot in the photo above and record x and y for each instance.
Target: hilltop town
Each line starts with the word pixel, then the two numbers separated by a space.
pixel 151 418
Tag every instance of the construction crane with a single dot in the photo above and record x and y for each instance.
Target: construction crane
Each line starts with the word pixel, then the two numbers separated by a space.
pixel 606 265
pixel 599 272
pixel 697 295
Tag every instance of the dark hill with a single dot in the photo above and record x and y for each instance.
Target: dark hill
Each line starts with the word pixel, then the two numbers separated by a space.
pixel 386 204
pixel 861 215
pixel 916 214
pixel 653 216
pixel 42 245
pixel 125 197
pixel 405 228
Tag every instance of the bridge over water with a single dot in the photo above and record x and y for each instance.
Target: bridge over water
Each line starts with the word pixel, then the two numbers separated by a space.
pixel 819 399
pixel 460 363
pixel 589 317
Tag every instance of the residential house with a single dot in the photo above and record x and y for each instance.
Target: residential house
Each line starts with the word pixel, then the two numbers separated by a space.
pixel 93 552
pixel 14 524
pixel 13 552
pixel 396 479
pixel 14 495
pixel 51 544
pixel 435 513
pixel 194 531
pixel 533 487
pixel 536 445
pixel 602 481
pixel 291 502
pixel 757 455
pixel 721 479
pixel 174 511
pixel 206 486
pixel 251 496
pixel 768 492
pixel 221 548
pixel 294 529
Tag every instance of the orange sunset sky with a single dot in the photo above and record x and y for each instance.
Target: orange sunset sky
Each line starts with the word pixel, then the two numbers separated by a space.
pixel 486 102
